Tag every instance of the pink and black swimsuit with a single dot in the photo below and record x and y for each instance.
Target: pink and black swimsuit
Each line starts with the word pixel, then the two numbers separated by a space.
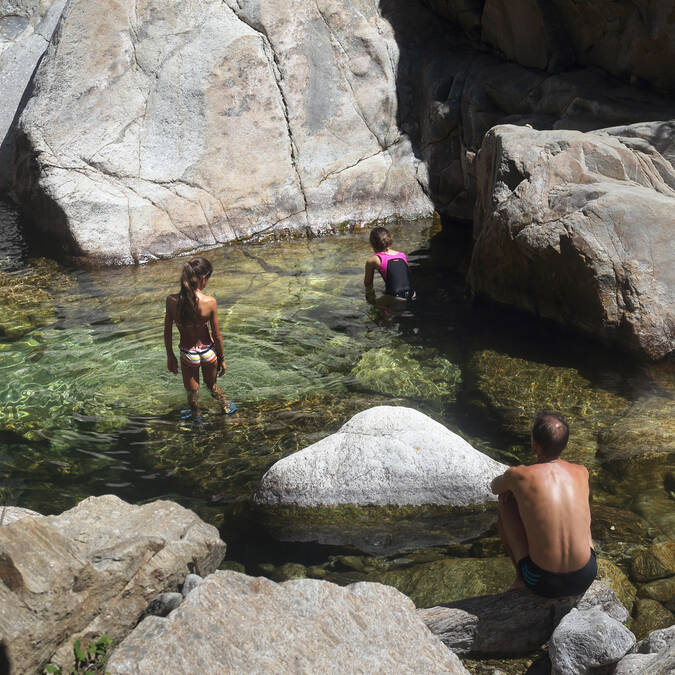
pixel 396 275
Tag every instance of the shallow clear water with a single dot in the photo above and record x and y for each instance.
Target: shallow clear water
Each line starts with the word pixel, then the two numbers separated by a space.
pixel 88 407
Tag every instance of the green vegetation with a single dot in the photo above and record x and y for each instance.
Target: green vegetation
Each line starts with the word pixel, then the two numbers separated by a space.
pixel 93 659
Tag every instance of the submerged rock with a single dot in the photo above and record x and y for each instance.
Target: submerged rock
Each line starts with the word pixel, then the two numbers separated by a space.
pixel 514 390
pixel 578 228
pixel 236 623
pixel 586 639
pixel 382 456
pixel 656 562
pixel 409 372
pixel 92 570
pixel 650 615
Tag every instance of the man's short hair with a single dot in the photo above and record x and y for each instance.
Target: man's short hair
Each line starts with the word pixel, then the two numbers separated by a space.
pixel 550 432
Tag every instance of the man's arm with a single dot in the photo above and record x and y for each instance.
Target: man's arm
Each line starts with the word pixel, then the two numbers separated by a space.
pixel 504 482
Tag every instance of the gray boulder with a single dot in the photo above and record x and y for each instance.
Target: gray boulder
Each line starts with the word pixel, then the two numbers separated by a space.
pixel 93 570
pixel 26 26
pixel 166 127
pixel 163 604
pixel 578 228
pixel 587 639
pixel 239 624
pixel 384 455
pixel 10 514
pixel 515 622
pixel 191 582
pixel 657 641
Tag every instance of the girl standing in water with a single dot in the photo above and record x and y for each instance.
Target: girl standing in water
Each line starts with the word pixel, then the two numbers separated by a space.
pixel 194 312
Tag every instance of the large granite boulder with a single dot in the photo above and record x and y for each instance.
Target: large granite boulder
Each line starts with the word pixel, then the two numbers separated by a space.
pixel 515 622
pixel 10 514
pixel 160 127
pixel 26 27
pixel 384 455
pixel 92 570
pixel 239 624
pixel 578 228
pixel 586 639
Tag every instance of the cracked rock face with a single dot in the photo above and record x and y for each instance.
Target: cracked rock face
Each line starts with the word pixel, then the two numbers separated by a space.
pixel 578 227
pixel 384 455
pixel 161 127
pixel 233 623
pixel 92 570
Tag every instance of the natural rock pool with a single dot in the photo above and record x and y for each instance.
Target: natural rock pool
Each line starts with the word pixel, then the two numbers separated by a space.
pixel 88 407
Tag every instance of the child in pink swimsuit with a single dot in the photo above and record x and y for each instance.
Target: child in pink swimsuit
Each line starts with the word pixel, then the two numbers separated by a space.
pixel 392 266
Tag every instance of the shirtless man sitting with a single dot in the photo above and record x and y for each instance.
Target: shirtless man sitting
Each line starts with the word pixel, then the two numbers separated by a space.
pixel 544 516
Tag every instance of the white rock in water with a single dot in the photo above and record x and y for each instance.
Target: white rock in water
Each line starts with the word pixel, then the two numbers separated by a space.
pixel 233 623
pixel 587 639
pixel 384 455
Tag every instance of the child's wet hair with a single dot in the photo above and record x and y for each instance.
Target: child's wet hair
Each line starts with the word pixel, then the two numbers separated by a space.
pixel 380 239
pixel 189 281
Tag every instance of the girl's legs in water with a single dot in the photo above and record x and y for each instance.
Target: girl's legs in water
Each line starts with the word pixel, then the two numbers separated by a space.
pixel 191 382
pixel 210 372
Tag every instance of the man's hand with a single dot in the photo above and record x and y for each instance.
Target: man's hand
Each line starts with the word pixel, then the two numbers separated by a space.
pixel 172 363
pixel 221 366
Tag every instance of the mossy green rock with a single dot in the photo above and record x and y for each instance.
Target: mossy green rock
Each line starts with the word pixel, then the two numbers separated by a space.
pixel 656 562
pixel 377 530
pixel 650 615
pixel 513 390
pixel 647 428
pixel 662 590
pixel 289 571
pixel 610 574
pixel 412 372
pixel 451 579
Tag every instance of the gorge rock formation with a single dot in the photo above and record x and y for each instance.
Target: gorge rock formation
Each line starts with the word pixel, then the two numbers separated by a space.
pixel 579 228
pixel 384 455
pixel 156 128
pixel 235 623
pixel 92 570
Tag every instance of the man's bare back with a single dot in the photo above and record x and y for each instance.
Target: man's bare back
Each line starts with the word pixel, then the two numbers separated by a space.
pixel 544 514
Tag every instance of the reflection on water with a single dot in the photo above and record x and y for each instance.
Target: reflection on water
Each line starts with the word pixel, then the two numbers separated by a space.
pixel 87 405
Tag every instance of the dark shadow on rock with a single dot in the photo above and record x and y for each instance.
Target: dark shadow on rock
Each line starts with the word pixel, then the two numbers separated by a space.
pixel 5 668
pixel 452 88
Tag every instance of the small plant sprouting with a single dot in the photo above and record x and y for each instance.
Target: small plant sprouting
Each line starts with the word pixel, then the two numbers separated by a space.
pixel 90 660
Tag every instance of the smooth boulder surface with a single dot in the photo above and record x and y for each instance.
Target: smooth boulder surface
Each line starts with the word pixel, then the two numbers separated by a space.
pixel 578 228
pixel 10 514
pixel 26 27
pixel 161 127
pixel 514 622
pixel 384 455
pixel 588 638
pixel 92 570
pixel 235 623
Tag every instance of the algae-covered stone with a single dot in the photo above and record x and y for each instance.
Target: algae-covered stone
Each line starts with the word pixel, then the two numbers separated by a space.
pixel 288 571
pixel 514 390
pixel 662 590
pixel 650 615
pixel 451 579
pixel 412 372
pixel 647 428
pixel 384 455
pixel 377 530
pixel 611 524
pixel 610 574
pixel 656 562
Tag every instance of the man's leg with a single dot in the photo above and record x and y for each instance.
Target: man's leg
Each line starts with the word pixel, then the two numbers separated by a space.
pixel 512 532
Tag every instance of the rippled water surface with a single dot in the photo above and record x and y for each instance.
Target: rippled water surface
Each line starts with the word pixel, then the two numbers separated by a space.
pixel 87 405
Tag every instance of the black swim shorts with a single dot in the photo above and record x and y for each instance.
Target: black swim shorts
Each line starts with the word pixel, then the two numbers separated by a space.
pixel 558 584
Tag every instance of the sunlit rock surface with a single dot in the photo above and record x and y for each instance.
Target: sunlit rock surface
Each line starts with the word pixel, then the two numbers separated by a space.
pixel 578 228
pixel 235 623
pixel 26 27
pixel 385 455
pixel 156 128
pixel 92 570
